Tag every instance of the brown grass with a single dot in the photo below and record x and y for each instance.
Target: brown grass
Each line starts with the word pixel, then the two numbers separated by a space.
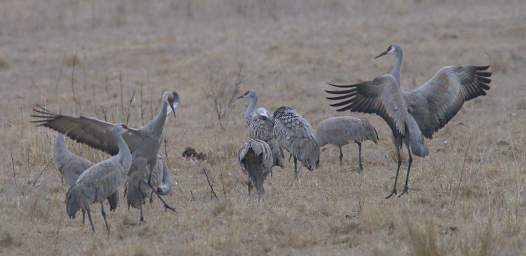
pixel 464 200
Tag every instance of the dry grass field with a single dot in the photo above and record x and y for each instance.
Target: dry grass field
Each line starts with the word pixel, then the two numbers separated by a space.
pixel 112 60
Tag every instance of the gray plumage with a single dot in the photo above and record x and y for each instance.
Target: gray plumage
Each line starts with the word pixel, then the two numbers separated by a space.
pixel 100 180
pixel 342 130
pixel 255 157
pixel 71 166
pixel 143 142
pixel 295 134
pixel 418 113
pixel 261 126
pixel 137 188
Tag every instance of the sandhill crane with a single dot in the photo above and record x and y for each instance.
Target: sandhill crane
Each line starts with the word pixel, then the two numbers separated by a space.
pixel 143 142
pixel 71 166
pixel 137 188
pixel 100 180
pixel 295 134
pixel 255 156
pixel 418 113
pixel 261 126
pixel 341 130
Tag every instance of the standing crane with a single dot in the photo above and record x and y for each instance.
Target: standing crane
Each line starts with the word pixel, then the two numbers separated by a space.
pixel 100 180
pixel 71 167
pixel 143 142
pixel 295 134
pixel 255 156
pixel 415 114
pixel 341 130
pixel 261 126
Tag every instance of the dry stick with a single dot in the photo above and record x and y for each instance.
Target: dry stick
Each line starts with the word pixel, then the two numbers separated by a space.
pixel 13 165
pixel 41 172
pixel 122 94
pixel 141 102
pixel 129 106
pixel 166 205
pixel 461 173
pixel 73 86
pixel 210 184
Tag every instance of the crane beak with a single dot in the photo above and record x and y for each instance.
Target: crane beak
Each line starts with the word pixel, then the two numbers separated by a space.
pixel 241 97
pixel 381 54
pixel 173 106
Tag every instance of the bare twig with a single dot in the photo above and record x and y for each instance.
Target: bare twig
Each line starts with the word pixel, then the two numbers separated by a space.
pixel 166 205
pixel 462 171
pixel 130 102
pixel 73 85
pixel 122 93
pixel 210 184
pixel 13 166
pixel 41 172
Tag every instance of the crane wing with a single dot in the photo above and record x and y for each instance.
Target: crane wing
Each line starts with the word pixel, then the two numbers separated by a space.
pixel 90 131
pixel 439 99
pixel 381 96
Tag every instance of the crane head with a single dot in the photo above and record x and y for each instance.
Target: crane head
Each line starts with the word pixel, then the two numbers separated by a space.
pixel 173 100
pixel 392 49
pixel 247 94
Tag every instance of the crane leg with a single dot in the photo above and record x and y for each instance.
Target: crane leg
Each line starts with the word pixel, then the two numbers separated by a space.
pixel 90 220
pixel 83 217
pixel 341 156
pixel 360 166
pixel 104 217
pixel 406 187
pixel 393 192
pixel 249 185
pixel 295 168
pixel 141 217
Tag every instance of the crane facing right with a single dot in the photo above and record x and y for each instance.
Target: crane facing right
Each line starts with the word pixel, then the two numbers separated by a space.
pixel 415 114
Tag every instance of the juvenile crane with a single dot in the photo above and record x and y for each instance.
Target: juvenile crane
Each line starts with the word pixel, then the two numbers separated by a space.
pixel 261 126
pixel 255 156
pixel 295 134
pixel 418 113
pixel 71 167
pixel 342 130
pixel 100 180
pixel 143 142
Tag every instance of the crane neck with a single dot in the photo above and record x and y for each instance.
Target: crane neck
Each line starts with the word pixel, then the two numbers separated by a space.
pixel 60 144
pixel 251 107
pixel 124 154
pixel 156 125
pixel 397 66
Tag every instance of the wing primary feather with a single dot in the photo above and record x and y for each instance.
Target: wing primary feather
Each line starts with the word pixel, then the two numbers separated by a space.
pixel 340 85
pixel 340 92
pixel 342 103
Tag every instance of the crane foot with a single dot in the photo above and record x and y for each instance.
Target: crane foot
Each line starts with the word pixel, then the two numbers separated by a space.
pixel 405 191
pixel 392 193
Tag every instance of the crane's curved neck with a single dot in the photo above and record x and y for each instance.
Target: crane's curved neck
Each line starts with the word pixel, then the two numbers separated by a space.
pixel 397 66
pixel 156 125
pixel 251 107
pixel 59 146
pixel 124 154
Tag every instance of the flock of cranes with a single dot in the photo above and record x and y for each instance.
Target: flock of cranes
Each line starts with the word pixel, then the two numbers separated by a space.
pixel 136 164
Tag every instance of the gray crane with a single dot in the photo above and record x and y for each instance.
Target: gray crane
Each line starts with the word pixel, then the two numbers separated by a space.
pixel 255 156
pixel 100 180
pixel 261 126
pixel 342 130
pixel 143 142
pixel 71 166
pixel 413 115
pixel 137 188
pixel 295 134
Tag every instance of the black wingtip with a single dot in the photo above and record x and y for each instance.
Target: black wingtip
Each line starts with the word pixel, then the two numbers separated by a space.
pixel 340 85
